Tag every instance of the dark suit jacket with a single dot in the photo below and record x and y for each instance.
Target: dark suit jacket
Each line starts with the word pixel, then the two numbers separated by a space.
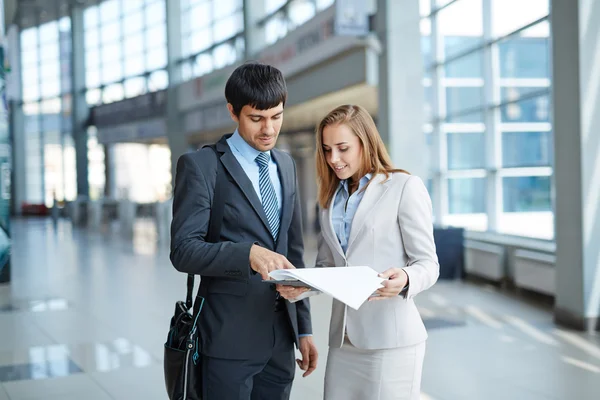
pixel 237 319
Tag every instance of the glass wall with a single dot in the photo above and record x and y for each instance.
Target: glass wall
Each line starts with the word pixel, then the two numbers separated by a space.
pixel 125 49
pixel 283 16
pixel 211 35
pixel 49 149
pixel 487 104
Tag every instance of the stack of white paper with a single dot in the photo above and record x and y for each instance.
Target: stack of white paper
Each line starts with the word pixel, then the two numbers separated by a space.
pixel 350 285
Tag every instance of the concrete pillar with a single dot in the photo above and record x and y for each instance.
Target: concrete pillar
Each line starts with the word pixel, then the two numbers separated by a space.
pixel 175 130
pixel 80 107
pixel 576 113
pixel 254 35
pixel 400 119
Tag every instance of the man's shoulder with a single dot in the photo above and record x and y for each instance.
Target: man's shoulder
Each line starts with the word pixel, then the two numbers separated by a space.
pixel 204 158
pixel 285 157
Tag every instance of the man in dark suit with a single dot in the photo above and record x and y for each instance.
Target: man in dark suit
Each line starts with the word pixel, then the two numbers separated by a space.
pixel 248 331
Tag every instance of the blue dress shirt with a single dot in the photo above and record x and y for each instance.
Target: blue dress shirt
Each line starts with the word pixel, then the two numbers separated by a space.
pixel 344 208
pixel 246 157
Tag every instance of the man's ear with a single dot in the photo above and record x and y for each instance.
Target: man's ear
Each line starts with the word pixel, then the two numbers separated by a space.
pixel 232 113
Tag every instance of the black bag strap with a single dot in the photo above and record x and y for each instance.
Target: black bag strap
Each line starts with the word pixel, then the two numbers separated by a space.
pixel 214 224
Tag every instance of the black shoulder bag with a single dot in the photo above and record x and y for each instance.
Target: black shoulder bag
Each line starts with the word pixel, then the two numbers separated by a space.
pixel 183 361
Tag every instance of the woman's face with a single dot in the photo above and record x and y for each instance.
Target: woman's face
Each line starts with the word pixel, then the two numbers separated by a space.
pixel 343 150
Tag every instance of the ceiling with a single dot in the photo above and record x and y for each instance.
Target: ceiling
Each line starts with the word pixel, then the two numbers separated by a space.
pixel 28 13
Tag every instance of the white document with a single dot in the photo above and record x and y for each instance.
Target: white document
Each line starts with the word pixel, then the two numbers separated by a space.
pixel 350 285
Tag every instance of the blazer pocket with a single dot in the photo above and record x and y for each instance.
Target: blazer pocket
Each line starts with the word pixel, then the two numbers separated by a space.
pixel 223 286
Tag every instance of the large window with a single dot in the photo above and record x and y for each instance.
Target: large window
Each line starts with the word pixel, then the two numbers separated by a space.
pixel 211 34
pixel 49 150
pixel 487 100
pixel 125 49
pixel 283 16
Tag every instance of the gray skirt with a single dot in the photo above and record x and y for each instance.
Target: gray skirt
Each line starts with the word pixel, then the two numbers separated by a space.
pixel 391 374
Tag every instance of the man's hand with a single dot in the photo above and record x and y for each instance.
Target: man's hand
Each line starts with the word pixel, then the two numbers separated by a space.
pixel 264 261
pixel 291 292
pixel 309 355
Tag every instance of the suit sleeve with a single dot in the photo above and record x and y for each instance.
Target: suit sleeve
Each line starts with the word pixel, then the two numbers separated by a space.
pixel 295 256
pixel 324 254
pixel 190 253
pixel 416 226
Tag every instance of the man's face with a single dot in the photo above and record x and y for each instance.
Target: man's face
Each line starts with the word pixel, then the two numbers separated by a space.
pixel 259 128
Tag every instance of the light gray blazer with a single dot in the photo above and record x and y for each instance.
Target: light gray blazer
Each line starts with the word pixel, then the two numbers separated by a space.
pixel 392 227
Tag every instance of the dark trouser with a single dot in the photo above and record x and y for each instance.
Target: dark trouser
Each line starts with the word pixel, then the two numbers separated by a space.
pixel 267 378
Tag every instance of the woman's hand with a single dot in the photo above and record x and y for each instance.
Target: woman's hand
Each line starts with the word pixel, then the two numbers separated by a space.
pixel 291 292
pixel 397 281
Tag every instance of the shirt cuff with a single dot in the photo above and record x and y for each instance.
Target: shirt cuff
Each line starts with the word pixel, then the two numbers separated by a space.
pixel 305 335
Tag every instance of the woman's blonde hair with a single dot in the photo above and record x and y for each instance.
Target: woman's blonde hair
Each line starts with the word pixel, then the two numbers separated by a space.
pixel 375 158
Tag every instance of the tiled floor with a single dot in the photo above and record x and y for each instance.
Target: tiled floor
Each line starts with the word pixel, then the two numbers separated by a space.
pixel 86 315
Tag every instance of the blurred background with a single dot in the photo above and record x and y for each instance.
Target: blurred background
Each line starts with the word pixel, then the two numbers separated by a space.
pixel 493 103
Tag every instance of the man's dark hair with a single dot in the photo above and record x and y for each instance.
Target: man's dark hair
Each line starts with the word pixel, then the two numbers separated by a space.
pixel 256 85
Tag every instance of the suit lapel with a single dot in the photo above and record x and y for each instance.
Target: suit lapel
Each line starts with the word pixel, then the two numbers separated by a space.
pixel 286 177
pixel 373 194
pixel 239 176
pixel 329 232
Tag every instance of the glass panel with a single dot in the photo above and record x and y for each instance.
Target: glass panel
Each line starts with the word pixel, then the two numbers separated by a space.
pixel 49 52
pixel 300 11
pixel 92 77
pixel 466 150
pixel 96 168
pixel 203 64
pixel 92 97
pixel 466 195
pixel 92 39
pixel 134 45
pixel 223 55
pixel 29 39
pixel 156 13
pixel 531 110
pixel 31 92
pixel 463 98
pixel 111 73
pixel 109 10
pixel 50 87
pixel 200 15
pixel 505 20
pixel 70 168
pixel 134 65
pixel 158 80
pixel 426 50
pixel 470 66
pixel 49 32
pixel 135 86
pixel 526 194
pixel 275 28
pixel 527 149
pixel 133 23
pixel 156 59
pixel 425 7
pixel 111 55
pixel 526 55
pixel 186 71
pixel 92 59
pixel 131 6
pixel 226 8
pixel 156 36
pixel 514 93
pixel 201 40
pixel 461 26
pixel 228 27
pixel 272 5
pixel 90 17
pixel 322 4
pixel 113 93
pixel 111 32
pixel 465 118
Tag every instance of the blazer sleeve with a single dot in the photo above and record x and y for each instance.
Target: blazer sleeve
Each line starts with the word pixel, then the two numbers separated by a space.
pixel 416 226
pixel 190 253
pixel 295 256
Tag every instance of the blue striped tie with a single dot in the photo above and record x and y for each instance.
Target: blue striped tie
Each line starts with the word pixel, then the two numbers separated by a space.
pixel 267 193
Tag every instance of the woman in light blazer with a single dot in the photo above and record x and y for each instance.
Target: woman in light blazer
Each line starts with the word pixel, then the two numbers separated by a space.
pixel 375 215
